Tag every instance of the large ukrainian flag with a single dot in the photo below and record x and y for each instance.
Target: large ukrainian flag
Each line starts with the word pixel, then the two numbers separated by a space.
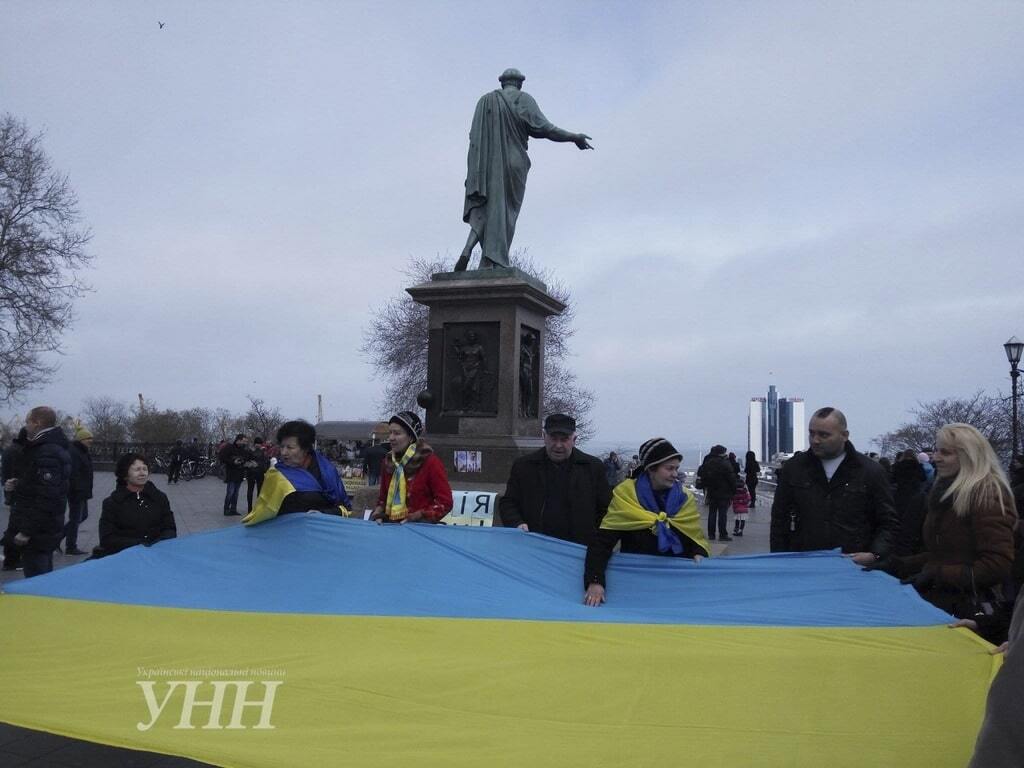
pixel 321 641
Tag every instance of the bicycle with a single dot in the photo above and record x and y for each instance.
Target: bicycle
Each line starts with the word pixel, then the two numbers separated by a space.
pixel 160 463
pixel 215 468
pixel 192 469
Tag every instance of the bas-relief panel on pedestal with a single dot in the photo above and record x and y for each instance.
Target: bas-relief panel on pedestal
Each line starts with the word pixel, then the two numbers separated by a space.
pixel 470 378
pixel 529 373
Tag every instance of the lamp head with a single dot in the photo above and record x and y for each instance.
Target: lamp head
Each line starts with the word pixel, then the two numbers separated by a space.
pixel 1013 349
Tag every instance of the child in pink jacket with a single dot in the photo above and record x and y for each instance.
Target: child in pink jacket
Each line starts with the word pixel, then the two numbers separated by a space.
pixel 740 508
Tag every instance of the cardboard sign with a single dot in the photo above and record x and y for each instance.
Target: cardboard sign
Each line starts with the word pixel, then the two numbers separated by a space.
pixel 471 508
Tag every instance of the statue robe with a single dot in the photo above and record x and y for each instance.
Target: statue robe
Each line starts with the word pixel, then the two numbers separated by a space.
pixel 498 164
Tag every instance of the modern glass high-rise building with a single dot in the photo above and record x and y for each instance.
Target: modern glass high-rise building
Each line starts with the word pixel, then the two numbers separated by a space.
pixel 785 425
pixel 775 425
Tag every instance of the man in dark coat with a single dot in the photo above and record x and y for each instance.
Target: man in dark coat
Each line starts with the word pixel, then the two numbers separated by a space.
pixel 373 457
pixel 234 457
pixel 1001 738
pixel 719 481
pixel 11 461
pixel 558 490
pixel 41 490
pixel 176 457
pixel 79 489
pixel 256 467
pixel 909 499
pixel 833 496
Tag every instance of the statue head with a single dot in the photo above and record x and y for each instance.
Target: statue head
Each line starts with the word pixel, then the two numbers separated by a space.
pixel 513 76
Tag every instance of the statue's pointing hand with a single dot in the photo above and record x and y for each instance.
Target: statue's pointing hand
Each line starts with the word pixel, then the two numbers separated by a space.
pixel 581 141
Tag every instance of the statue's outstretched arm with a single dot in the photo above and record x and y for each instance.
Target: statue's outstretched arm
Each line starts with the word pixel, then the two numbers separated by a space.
pixel 541 128
pixel 561 135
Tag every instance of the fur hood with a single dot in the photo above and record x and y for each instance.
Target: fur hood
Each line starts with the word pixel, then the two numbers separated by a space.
pixel 423 451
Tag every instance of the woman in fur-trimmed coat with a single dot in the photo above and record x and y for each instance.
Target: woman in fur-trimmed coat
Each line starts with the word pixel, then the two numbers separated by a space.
pixel 413 482
pixel 968 529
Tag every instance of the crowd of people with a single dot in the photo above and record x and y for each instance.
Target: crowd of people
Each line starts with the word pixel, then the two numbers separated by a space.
pixel 945 523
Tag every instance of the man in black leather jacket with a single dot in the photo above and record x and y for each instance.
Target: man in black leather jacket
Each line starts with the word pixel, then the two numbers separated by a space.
pixel 833 496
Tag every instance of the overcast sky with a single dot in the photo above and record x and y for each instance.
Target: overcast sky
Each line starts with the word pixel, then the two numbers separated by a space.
pixel 824 196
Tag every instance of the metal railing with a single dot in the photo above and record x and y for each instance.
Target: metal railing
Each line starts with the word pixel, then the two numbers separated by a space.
pixel 105 454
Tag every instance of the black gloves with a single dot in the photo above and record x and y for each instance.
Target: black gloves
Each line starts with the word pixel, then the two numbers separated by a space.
pixel 925 578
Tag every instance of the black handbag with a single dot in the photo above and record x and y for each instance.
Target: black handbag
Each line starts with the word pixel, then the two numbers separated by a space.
pixel 984 603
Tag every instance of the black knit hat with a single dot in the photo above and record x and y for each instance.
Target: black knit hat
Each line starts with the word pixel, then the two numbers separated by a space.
pixel 410 422
pixel 654 452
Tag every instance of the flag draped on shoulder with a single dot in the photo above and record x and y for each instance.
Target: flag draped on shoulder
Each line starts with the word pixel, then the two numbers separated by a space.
pixel 282 480
pixel 633 508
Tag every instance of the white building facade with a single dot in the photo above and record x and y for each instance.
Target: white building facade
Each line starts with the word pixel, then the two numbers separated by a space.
pixel 756 428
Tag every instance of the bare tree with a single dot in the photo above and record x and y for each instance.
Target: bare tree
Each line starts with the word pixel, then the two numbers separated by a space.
pixel 149 424
pixel 563 394
pixel 42 248
pixel 395 343
pixel 196 422
pixel 226 424
pixel 106 418
pixel 10 428
pixel 261 419
pixel 989 414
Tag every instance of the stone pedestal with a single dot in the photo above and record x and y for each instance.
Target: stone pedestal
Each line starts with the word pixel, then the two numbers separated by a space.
pixel 485 366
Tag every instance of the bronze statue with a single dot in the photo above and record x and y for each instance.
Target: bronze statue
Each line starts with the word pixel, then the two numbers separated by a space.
pixel 503 123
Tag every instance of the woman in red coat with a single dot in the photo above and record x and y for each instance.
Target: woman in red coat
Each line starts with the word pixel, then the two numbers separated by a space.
pixel 413 484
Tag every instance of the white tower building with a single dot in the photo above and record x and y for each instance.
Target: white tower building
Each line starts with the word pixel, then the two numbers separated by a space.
pixel 799 425
pixel 756 428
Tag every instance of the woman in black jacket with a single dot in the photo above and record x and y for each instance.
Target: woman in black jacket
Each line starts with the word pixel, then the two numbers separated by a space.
pixel 751 469
pixel 137 512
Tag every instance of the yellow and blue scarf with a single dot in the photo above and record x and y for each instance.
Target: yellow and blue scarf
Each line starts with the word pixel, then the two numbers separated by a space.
pixel 634 508
pixel 395 505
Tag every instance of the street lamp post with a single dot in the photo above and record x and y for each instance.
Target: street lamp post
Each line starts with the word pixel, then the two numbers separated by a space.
pixel 1013 349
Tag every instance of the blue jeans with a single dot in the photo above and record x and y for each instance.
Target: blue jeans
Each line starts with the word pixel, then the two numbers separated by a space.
pixel 36 563
pixel 231 497
pixel 77 512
